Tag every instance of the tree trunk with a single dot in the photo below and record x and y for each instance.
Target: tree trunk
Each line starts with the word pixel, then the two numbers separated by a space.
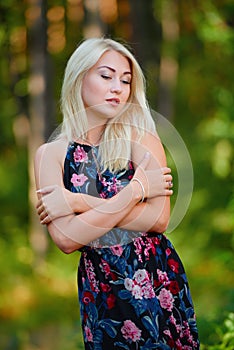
pixel 41 111
pixel 146 40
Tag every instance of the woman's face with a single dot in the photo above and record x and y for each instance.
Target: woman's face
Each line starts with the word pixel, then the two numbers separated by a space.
pixel 106 86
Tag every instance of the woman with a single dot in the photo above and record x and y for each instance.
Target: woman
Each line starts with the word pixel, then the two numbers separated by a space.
pixel 104 189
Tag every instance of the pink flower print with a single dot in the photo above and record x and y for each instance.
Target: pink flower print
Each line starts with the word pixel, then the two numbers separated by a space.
pixel 80 156
pixel 148 291
pixel 168 333
pixel 128 284
pixel 137 292
pixel 117 250
pixel 130 331
pixel 186 332
pixel 138 243
pixel 140 285
pixel 149 246
pixel 143 248
pixel 113 185
pixel 166 299
pixel 105 267
pixel 103 195
pixel 179 345
pixel 91 276
pixel 88 334
pixel 116 185
pixel 141 276
pixel 104 182
pixel 162 277
pixel 177 326
pixel 78 180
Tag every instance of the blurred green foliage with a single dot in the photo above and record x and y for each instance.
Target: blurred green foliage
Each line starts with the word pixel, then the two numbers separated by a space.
pixel 38 303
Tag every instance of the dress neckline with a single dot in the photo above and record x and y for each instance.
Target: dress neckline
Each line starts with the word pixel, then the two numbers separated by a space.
pixel 84 144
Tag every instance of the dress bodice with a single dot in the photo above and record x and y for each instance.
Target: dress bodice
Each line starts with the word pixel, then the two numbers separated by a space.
pixel 82 174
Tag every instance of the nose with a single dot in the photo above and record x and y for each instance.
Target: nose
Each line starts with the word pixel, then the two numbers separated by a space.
pixel 116 86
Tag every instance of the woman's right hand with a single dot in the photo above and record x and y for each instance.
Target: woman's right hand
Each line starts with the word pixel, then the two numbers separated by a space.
pixel 54 202
pixel 156 182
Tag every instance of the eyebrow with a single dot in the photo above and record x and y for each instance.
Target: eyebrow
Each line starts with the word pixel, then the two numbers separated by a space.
pixel 113 70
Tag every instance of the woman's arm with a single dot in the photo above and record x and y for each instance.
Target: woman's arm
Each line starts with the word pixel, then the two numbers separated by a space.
pixel 147 216
pixel 58 202
pixel 154 214
pixel 71 232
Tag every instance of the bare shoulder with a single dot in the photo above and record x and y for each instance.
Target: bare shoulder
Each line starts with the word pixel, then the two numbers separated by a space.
pixel 149 142
pixel 55 150
pixel 48 163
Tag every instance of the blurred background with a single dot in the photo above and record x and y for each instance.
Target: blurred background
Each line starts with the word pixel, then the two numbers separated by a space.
pixel 186 50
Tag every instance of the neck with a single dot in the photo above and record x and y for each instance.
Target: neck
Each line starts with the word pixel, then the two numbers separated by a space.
pixel 94 135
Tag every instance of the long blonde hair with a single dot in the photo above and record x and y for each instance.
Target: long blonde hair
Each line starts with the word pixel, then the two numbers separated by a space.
pixel 115 145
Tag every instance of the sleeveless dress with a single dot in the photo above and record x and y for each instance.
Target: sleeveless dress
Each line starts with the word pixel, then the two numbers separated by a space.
pixel 133 290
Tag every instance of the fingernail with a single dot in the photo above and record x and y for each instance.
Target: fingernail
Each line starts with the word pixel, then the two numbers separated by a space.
pixel 38 191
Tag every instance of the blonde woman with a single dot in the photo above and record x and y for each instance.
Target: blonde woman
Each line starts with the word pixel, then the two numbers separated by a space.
pixel 104 189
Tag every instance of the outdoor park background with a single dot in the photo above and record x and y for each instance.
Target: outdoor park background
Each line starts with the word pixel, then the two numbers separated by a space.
pixel 186 49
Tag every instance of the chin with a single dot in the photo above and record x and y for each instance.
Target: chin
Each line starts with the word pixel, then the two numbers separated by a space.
pixel 108 112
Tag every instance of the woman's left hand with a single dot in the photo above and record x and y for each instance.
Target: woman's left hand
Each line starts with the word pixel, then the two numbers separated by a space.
pixel 54 202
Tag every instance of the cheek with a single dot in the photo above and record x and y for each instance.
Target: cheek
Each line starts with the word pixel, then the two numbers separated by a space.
pixel 88 93
pixel 127 94
pixel 85 96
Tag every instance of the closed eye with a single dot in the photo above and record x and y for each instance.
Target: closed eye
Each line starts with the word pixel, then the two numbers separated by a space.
pixel 126 82
pixel 108 77
pixel 105 76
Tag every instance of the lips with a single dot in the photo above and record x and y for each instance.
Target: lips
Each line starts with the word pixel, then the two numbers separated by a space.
pixel 114 101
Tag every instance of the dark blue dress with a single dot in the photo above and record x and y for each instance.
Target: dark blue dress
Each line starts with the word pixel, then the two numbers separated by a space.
pixel 133 290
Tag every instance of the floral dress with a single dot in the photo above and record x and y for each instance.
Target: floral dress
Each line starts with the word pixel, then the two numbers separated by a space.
pixel 133 290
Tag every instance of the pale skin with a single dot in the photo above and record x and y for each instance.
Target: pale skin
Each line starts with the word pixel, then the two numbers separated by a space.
pixel 57 206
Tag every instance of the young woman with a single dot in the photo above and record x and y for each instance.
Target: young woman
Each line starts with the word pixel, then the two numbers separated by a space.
pixel 104 189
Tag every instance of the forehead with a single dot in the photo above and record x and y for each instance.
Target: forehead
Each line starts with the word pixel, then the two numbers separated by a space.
pixel 115 60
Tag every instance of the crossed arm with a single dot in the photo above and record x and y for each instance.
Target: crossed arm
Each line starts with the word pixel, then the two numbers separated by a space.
pixel 97 216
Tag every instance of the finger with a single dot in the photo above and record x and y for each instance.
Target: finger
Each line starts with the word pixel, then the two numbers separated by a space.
pixel 39 203
pixel 40 210
pixel 46 190
pixel 168 178
pixel 169 184
pixel 166 170
pixel 46 220
pixel 169 192
pixel 43 215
